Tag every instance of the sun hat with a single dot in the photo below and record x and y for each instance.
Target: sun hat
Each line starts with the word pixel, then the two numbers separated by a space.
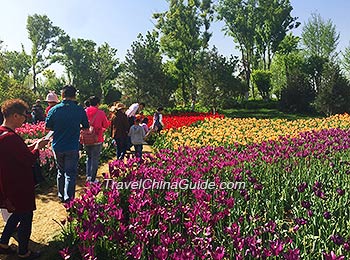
pixel 120 106
pixel 52 97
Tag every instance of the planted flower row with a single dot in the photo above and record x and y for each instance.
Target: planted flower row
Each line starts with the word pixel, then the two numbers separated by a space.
pixel 184 119
pixel 294 204
pixel 226 132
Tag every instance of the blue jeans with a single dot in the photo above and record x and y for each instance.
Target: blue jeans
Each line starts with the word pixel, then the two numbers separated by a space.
pixel 138 151
pixel 67 166
pixel 24 230
pixel 93 156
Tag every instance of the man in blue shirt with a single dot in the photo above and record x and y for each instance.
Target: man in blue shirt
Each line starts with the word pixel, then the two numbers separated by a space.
pixel 66 119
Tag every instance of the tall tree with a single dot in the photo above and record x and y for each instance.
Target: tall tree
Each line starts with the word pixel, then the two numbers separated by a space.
pixel 346 61
pixel 43 36
pixel 241 18
pixel 217 84
pixel 17 64
pixel 320 37
pixel 274 22
pixel 144 77
pixel 258 27
pixel 107 67
pixel 90 68
pixel 184 33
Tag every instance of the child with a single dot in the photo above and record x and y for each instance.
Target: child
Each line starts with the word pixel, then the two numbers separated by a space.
pixel 137 135
pixel 144 124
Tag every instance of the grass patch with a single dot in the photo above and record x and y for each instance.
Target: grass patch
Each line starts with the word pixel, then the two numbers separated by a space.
pixel 264 113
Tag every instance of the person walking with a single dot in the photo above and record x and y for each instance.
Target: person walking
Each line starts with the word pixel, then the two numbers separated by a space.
pixel 38 113
pixel 66 119
pixel 16 179
pixel 98 120
pixel 131 112
pixel 137 135
pixel 120 129
pixel 52 100
pixel 158 124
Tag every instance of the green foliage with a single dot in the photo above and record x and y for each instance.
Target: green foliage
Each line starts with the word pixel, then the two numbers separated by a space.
pixel 18 64
pixel 112 95
pixel 184 33
pixel 298 94
pixel 16 91
pixel 44 37
pixel 217 85
pixel 262 80
pixel 334 94
pixel 320 37
pixel 144 77
pixel 346 61
pixel 91 69
pixel 258 27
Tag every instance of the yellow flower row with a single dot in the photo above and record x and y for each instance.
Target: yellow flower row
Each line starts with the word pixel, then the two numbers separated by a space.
pixel 218 132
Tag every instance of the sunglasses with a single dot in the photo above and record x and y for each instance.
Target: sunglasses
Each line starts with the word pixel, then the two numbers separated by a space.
pixel 25 114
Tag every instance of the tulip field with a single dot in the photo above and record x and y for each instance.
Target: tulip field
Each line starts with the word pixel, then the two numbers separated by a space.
pixel 294 204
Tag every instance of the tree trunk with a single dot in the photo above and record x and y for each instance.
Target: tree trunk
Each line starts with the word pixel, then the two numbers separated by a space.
pixel 34 80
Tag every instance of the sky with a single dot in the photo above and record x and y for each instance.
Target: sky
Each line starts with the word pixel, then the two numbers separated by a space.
pixel 119 22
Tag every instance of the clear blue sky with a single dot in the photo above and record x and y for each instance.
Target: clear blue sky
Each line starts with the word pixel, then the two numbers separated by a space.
pixel 119 22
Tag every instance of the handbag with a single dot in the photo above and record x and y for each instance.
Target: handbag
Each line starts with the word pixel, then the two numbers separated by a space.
pixel 89 136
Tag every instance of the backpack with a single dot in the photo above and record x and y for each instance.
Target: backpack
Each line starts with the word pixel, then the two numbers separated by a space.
pixel 89 136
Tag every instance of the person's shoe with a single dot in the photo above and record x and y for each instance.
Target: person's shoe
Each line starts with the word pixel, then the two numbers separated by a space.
pixel 10 250
pixel 30 255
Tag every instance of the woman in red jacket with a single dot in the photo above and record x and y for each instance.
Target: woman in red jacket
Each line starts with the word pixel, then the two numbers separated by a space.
pixel 16 178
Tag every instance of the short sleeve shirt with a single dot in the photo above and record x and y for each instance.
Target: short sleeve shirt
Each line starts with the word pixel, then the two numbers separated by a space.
pixel 66 119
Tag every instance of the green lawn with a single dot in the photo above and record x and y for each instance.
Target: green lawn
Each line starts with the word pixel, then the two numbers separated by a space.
pixel 261 113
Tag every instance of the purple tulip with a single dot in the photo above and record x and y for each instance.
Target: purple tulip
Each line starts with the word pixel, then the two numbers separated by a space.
pixel 301 187
pixel 340 192
pixel 327 215
pixel 306 204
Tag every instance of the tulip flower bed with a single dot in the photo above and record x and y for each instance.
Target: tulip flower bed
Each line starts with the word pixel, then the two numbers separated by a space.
pixel 226 131
pixel 185 119
pixel 294 204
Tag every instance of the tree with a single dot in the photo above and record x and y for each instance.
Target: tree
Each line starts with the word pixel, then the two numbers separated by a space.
pixel 320 38
pixel 90 68
pixel 184 33
pixel 274 22
pixel 334 94
pixel 240 19
pixel 107 67
pixel 43 36
pixel 258 26
pixel 17 64
pixel 144 77
pixel 262 80
pixel 283 62
pixel 217 84
pixel 346 61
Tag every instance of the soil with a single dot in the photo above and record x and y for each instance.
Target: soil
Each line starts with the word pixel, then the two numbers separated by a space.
pixel 48 216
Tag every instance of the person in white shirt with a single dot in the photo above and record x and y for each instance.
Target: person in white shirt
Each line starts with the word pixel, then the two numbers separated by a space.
pixel 134 109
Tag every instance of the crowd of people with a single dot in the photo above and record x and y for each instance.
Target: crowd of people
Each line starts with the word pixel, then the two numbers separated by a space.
pixel 66 118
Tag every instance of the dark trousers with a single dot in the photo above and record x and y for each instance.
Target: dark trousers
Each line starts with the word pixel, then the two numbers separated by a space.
pixel 122 143
pixel 138 151
pixel 24 230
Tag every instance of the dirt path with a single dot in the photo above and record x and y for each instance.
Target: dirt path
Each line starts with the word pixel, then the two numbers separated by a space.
pixel 50 212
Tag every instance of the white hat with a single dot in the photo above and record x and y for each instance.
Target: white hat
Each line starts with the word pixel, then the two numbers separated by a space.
pixel 52 97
